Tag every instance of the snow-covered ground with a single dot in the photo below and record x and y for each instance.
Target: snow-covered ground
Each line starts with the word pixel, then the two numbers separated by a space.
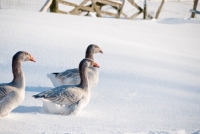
pixel 149 72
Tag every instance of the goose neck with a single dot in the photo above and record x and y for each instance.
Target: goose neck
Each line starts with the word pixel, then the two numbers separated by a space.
pixel 89 54
pixel 84 78
pixel 18 77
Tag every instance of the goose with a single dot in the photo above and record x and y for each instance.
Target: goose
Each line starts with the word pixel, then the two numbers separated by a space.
pixel 71 76
pixel 69 99
pixel 12 94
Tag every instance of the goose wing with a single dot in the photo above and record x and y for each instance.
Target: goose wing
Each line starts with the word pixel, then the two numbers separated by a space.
pixel 62 95
pixel 3 92
pixel 68 73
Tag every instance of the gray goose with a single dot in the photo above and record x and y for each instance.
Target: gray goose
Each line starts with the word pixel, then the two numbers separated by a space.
pixel 69 99
pixel 12 94
pixel 71 76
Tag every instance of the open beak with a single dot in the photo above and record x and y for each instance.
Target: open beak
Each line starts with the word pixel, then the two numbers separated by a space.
pixel 100 51
pixel 32 59
pixel 95 65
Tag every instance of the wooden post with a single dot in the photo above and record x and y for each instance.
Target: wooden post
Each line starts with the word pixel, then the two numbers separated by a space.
pixel 120 10
pixel 159 9
pixel 46 6
pixel 139 8
pixel 54 6
pixel 145 9
pixel 76 9
pixel 194 8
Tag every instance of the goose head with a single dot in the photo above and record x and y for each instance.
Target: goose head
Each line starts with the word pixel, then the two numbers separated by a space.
pixel 94 49
pixel 23 56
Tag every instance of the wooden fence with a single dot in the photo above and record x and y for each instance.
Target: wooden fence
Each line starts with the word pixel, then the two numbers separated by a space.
pixel 92 6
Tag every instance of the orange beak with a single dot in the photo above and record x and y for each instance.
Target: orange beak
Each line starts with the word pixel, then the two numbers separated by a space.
pixel 32 59
pixel 100 51
pixel 95 65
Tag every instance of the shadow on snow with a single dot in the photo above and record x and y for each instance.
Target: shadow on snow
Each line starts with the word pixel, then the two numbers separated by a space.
pixel 27 109
pixel 37 89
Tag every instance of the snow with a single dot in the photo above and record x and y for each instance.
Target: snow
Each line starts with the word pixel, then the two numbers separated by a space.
pixel 149 72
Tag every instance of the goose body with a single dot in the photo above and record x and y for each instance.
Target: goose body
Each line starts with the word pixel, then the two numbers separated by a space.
pixel 11 97
pixel 68 99
pixel 12 94
pixel 71 76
